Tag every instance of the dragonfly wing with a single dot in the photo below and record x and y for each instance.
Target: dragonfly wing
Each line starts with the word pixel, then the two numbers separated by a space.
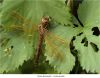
pixel 58 50
pixel 15 48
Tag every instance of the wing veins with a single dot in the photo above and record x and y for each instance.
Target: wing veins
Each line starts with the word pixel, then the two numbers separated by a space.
pixel 56 51
pixel 55 37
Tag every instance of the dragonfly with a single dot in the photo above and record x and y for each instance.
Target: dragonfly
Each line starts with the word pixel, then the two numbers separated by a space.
pixel 42 29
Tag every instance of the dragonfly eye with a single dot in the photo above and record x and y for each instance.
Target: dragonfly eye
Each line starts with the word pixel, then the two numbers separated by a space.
pixel 45 20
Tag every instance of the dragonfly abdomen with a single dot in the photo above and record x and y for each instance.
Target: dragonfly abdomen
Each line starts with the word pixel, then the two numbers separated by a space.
pixel 41 29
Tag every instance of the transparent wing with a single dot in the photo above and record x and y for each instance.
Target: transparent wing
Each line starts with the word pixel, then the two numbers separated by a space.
pixel 22 24
pixel 58 53
pixel 55 37
pixel 17 44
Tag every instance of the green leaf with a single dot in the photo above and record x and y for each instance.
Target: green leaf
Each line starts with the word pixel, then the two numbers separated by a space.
pixel 14 50
pixel 89 12
pixel 57 48
pixel 61 59
pixel 88 44
pixel 17 71
pixel 0 11
pixel 36 9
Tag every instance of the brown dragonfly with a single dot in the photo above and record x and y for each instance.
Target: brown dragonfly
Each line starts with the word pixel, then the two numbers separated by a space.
pixel 41 29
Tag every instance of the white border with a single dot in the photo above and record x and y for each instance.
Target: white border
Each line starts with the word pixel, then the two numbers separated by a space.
pixel 49 75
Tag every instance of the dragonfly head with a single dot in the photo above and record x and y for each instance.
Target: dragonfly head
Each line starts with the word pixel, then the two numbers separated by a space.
pixel 45 21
